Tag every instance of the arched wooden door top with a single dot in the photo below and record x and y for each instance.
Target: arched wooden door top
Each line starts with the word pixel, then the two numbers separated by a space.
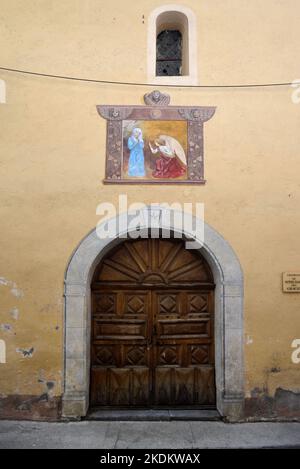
pixel 152 340
pixel 147 262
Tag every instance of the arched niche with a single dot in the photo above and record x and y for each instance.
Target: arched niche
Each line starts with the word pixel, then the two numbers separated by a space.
pixel 180 18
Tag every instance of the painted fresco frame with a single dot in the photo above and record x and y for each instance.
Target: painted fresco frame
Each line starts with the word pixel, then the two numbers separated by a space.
pixel 157 109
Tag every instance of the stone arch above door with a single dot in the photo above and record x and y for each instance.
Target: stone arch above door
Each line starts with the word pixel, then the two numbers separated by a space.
pixel 228 278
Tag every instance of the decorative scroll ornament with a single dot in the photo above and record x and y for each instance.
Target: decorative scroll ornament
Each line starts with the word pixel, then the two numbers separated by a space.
pixel 114 113
pixel 197 114
pixel 156 98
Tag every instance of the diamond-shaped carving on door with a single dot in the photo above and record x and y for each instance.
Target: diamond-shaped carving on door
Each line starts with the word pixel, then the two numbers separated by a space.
pixel 197 303
pixel 135 304
pixel 199 354
pixel 105 304
pixel 136 356
pixel 168 355
pixel 105 356
pixel 167 304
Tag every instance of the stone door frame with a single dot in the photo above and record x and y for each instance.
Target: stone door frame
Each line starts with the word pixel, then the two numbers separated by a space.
pixel 228 277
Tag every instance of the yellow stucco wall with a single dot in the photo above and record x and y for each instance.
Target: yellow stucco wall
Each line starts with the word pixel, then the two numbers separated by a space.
pixel 53 158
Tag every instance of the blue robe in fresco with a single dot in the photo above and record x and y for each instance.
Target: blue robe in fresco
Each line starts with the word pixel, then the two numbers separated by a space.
pixel 136 165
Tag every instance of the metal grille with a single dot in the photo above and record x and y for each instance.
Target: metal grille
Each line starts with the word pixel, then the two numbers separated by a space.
pixel 169 53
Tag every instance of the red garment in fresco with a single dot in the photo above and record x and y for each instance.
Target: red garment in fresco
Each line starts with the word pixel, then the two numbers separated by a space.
pixel 166 167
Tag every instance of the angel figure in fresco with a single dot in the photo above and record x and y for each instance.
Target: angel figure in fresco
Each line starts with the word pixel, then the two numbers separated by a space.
pixel 171 161
pixel 136 163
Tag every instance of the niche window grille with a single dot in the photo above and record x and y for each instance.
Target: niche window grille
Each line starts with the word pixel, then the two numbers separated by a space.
pixel 169 53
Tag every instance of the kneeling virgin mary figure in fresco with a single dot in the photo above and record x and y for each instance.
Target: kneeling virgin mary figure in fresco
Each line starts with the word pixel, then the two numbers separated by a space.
pixel 136 164
pixel 171 162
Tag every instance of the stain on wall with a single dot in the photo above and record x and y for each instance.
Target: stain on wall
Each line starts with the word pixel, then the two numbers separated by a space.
pixel 284 405
pixel 26 353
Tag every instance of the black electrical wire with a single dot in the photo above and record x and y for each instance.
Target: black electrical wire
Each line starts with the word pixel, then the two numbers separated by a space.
pixel 129 83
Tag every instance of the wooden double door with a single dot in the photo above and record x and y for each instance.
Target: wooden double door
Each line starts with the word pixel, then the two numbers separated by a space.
pixel 152 327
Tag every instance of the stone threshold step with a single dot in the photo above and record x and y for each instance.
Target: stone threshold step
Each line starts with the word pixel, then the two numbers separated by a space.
pixel 153 414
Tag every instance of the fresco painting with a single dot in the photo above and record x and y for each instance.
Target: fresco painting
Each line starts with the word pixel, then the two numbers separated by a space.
pixel 154 150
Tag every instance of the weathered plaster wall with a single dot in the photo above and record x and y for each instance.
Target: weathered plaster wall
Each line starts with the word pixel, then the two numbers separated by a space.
pixel 52 165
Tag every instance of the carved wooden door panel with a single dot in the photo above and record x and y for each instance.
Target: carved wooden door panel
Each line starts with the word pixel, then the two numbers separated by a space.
pixel 183 345
pixel 120 353
pixel 152 327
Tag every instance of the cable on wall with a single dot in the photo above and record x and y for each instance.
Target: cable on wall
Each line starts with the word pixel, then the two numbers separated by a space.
pixel 129 83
